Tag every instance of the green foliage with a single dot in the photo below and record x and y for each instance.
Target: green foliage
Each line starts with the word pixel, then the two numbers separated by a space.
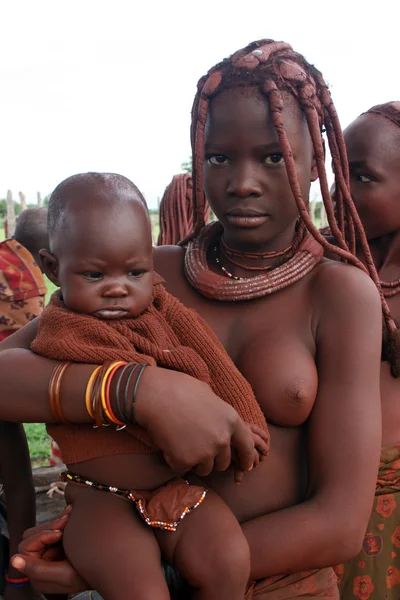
pixel 38 441
pixel 187 166
pixel 3 208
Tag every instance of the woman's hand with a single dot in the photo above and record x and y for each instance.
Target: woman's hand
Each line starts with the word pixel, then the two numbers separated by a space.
pixel 193 427
pixel 41 558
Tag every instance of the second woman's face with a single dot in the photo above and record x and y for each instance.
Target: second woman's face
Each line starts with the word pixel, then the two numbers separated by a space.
pixel 245 178
pixel 373 150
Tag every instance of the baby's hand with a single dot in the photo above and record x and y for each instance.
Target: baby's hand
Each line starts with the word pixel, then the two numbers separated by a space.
pixel 261 449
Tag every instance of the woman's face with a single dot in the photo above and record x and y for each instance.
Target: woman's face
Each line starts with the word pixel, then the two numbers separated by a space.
pixel 245 178
pixel 373 150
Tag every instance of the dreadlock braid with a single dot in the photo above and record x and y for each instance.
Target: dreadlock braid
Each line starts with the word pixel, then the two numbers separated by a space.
pixel 274 68
pixel 176 210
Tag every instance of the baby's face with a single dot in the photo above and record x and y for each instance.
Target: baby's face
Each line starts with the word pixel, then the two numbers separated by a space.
pixel 105 268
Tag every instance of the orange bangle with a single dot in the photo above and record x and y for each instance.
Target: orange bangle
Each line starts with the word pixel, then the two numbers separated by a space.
pixel 107 395
pixel 54 392
pixel 111 368
pixel 89 390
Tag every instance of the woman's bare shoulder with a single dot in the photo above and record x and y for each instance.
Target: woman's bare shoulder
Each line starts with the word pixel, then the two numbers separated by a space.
pixel 344 287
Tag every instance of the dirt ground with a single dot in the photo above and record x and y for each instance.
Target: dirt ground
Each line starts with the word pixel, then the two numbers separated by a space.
pixel 47 507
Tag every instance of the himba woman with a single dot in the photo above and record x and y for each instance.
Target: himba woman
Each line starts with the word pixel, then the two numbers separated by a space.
pixel 176 210
pixel 305 332
pixel 373 148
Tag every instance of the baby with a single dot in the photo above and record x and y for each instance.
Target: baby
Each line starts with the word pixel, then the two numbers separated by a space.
pixel 113 306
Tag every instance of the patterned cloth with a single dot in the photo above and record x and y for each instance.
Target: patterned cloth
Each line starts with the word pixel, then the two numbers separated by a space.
pixel 311 585
pixel 22 287
pixel 375 573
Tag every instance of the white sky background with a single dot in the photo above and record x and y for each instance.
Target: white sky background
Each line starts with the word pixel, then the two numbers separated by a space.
pixel 94 85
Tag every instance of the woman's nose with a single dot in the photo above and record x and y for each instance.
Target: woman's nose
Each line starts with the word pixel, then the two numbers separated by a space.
pixel 244 182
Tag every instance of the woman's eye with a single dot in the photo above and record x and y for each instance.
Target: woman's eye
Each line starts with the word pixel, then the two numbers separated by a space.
pixel 364 178
pixel 217 159
pixel 274 159
pixel 93 275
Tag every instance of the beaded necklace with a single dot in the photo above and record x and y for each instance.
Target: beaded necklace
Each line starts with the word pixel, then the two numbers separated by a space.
pixel 222 287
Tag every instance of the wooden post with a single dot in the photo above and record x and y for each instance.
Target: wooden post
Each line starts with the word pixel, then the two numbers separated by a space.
pixel 23 200
pixel 10 214
pixel 39 199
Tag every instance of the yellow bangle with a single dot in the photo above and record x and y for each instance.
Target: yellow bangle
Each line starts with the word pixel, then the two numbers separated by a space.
pixel 88 391
pixel 103 388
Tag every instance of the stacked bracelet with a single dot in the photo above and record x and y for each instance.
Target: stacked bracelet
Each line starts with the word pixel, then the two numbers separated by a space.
pixel 54 392
pixel 17 582
pixel 125 377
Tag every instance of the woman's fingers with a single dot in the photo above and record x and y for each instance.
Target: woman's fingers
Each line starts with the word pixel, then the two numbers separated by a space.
pixel 204 468
pixel 223 460
pixel 37 543
pixel 50 577
pixel 57 524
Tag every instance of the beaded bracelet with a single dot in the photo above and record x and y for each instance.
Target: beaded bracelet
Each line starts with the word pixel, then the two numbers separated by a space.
pixel 18 582
pixel 54 392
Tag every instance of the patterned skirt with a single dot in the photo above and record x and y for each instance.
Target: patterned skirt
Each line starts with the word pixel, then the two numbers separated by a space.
pixel 375 573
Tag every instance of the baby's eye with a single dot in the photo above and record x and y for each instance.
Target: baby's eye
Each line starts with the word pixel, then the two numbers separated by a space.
pixel 364 178
pixel 136 274
pixel 274 159
pixel 93 275
pixel 218 159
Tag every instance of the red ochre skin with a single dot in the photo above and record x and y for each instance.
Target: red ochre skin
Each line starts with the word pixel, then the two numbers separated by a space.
pixel 373 147
pixel 311 353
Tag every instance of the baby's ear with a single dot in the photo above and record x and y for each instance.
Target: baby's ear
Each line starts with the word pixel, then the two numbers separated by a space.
pixel 49 266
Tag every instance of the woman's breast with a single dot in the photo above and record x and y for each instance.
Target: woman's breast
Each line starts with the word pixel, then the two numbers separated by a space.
pixel 280 366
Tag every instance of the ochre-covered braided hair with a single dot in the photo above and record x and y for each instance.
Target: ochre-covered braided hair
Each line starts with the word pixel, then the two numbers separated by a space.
pixel 176 210
pixel 389 110
pixel 274 68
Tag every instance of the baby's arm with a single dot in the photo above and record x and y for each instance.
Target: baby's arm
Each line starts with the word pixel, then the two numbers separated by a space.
pixel 15 469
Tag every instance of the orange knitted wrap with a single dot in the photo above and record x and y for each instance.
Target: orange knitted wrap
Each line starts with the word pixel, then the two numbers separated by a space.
pixel 168 335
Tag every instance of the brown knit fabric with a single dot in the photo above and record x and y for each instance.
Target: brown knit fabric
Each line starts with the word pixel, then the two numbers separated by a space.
pixel 168 335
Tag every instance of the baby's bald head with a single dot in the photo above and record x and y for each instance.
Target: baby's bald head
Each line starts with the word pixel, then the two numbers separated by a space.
pixel 84 198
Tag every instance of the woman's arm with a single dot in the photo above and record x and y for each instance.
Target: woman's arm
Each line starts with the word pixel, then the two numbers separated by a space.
pixel 16 472
pixel 344 437
pixel 183 416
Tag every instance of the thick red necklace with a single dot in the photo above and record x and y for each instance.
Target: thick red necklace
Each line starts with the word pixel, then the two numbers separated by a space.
pixel 390 288
pixel 238 258
pixel 220 287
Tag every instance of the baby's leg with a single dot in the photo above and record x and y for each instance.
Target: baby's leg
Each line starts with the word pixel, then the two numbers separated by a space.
pixel 210 551
pixel 111 548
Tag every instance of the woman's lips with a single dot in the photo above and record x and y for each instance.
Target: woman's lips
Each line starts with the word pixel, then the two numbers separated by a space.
pixel 247 220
